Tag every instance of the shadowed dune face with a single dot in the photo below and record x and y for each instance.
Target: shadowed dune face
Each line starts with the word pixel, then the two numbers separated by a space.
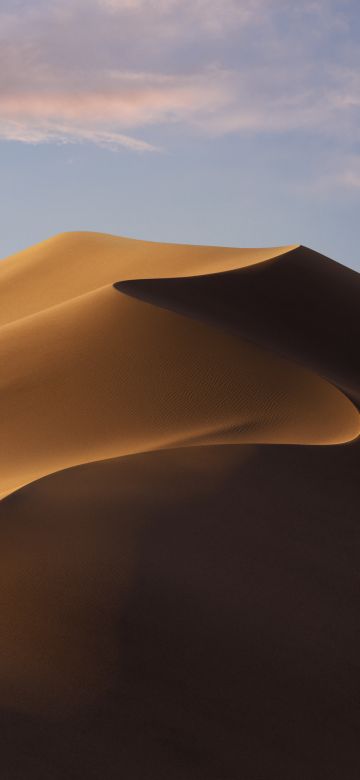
pixel 181 603
pixel 201 603
pixel 299 304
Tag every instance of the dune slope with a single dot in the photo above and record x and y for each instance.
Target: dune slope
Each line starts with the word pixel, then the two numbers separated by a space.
pixel 106 375
pixel 184 614
pixel 103 374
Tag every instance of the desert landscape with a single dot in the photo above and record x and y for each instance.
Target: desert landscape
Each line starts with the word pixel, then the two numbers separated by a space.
pixel 180 512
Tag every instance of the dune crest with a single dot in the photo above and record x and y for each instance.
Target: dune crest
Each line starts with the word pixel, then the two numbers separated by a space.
pixel 71 264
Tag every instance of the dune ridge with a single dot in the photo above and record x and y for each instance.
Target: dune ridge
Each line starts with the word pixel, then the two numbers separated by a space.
pixel 71 264
pixel 103 374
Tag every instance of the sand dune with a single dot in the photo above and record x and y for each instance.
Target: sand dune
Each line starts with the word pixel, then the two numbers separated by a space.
pixel 103 374
pixel 179 576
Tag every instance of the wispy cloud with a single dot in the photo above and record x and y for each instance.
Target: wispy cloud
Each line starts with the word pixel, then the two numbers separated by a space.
pixel 105 70
pixel 45 132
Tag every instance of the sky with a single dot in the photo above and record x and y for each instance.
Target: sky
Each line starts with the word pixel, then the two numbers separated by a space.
pixel 233 122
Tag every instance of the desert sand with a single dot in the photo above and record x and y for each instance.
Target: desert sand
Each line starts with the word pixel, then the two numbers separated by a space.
pixel 179 523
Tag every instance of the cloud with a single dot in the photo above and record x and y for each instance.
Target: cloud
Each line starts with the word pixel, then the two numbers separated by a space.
pixel 52 112
pixel 103 71
pixel 45 132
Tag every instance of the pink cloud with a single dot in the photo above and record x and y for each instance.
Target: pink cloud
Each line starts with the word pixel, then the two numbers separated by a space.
pixel 128 101
pixel 99 70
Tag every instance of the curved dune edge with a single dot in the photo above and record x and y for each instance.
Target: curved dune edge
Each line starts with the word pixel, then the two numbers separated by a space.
pixel 300 305
pixel 105 375
pixel 72 264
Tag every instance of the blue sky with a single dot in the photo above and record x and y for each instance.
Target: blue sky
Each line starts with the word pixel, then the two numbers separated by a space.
pixel 226 122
